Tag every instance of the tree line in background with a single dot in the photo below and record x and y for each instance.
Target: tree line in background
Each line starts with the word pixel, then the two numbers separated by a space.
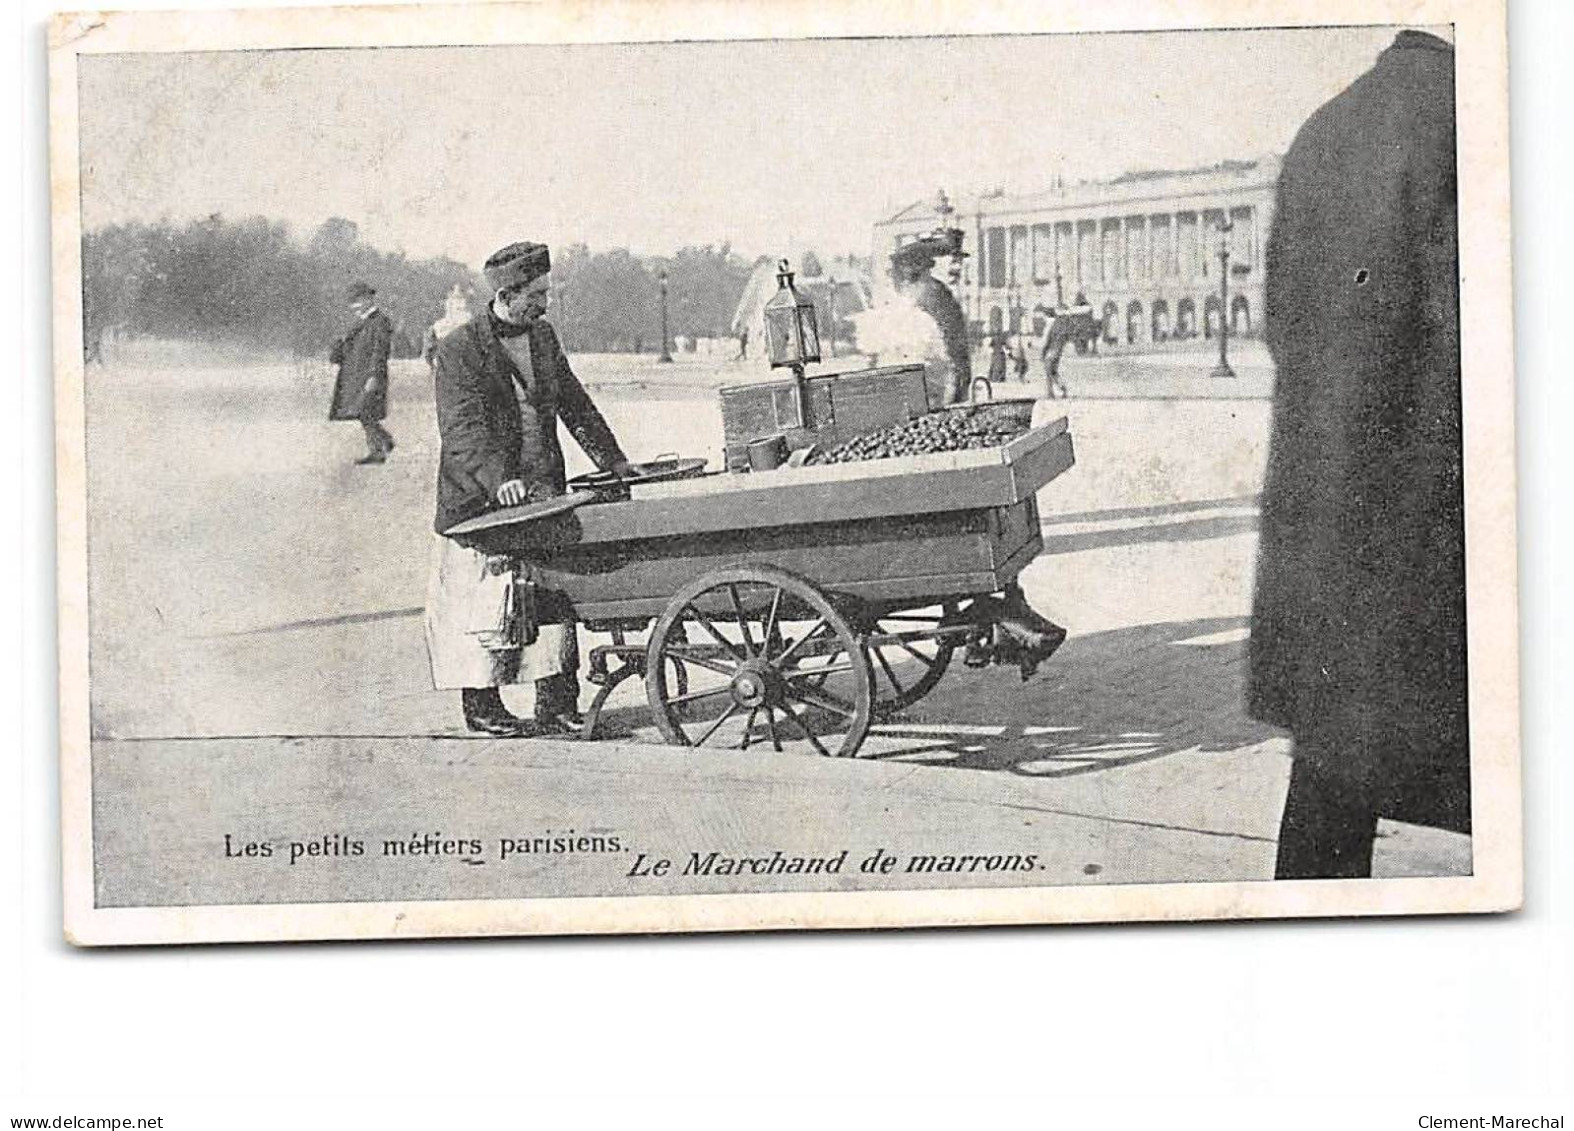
pixel 610 301
pixel 251 282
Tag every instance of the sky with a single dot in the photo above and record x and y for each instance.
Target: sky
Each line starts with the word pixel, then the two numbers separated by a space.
pixel 768 145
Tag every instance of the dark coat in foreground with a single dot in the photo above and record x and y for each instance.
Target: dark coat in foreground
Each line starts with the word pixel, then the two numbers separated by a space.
pixel 1358 629
pixel 488 438
pixel 360 392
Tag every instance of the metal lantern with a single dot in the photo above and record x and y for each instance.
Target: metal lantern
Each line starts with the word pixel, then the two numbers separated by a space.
pixel 792 335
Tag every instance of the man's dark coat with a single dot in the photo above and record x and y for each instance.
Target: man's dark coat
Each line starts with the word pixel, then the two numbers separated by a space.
pixel 1358 630
pixel 362 357
pixel 487 440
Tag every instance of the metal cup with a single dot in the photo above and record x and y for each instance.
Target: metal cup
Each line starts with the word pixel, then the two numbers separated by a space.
pixel 767 453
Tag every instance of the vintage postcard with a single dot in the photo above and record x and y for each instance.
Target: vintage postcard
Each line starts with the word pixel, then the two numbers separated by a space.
pixel 591 468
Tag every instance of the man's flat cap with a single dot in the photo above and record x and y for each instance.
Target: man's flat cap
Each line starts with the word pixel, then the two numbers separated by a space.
pixel 517 263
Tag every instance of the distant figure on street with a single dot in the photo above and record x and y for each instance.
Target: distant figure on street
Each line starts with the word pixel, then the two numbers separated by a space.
pixel 456 312
pixel 1073 326
pixel 360 389
pixel 92 330
pixel 1018 358
pixel 1358 620
pixel 912 267
pixel 997 358
pixel 743 344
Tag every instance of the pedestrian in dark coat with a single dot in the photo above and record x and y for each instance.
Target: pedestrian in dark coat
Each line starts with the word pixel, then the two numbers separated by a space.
pixel 997 358
pixel 360 390
pixel 912 267
pixel 1358 621
pixel 502 384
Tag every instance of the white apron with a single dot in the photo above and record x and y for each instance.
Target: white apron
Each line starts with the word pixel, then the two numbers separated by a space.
pixel 464 611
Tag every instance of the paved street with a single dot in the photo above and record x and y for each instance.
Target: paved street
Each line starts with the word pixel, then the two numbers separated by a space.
pixel 259 669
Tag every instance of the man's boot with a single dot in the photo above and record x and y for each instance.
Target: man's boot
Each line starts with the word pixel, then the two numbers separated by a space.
pixel 1035 638
pixel 557 704
pixel 486 714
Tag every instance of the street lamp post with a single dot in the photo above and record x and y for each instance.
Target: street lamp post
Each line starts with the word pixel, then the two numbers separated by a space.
pixel 831 304
pixel 1223 368
pixel 978 268
pixel 666 350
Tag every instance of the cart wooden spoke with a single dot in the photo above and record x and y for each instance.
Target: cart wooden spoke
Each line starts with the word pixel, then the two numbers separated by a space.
pixel 908 651
pixel 911 652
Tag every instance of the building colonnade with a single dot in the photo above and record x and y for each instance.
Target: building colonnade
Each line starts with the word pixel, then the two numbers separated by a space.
pixel 1153 277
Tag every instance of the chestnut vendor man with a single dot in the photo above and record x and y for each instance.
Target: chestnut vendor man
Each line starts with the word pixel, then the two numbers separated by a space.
pixel 502 384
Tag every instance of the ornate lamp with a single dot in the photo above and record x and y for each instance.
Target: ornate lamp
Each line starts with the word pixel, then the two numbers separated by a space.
pixel 1223 368
pixel 831 305
pixel 666 350
pixel 792 336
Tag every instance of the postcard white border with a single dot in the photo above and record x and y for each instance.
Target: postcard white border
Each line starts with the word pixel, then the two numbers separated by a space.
pixel 1486 303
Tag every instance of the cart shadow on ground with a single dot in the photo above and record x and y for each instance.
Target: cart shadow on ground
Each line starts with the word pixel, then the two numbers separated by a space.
pixel 1152 510
pixel 1106 700
pixel 1193 521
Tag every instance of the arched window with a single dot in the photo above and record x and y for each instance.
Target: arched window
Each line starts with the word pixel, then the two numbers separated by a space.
pixel 1133 323
pixel 1161 320
pixel 1210 316
pixel 1185 319
pixel 1240 316
pixel 1111 323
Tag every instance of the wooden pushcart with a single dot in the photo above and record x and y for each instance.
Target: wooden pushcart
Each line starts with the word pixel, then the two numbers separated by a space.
pixel 793 606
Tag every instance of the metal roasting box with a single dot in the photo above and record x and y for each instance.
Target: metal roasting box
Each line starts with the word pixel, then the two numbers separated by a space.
pixel 833 408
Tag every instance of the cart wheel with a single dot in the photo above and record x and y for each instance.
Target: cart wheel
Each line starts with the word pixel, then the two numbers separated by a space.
pixel 909 636
pixel 758 646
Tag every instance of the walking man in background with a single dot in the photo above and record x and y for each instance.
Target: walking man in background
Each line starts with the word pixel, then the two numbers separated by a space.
pixel 1358 621
pixel 502 385
pixel 360 390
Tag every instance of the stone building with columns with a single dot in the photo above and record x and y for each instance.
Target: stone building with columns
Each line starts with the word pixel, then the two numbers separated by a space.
pixel 1142 248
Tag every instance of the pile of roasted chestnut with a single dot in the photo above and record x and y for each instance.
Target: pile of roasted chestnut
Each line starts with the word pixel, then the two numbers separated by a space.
pixel 946 431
